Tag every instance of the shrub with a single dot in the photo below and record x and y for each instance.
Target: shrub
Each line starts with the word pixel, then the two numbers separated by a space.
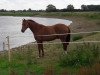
pixel 77 37
pixel 82 55
pixel 94 70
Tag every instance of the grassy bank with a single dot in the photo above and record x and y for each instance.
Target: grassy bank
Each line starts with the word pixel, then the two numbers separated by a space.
pixel 82 59
pixel 18 13
pixel 90 15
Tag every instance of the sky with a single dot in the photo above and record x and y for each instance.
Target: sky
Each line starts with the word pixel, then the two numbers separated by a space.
pixel 42 4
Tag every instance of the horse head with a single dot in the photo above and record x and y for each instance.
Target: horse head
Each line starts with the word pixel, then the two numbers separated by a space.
pixel 25 25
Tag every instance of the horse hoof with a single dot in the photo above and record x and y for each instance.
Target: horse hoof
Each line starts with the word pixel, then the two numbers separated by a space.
pixel 38 57
pixel 66 52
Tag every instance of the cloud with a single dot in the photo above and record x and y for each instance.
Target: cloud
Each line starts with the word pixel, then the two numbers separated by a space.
pixel 23 4
pixel 41 4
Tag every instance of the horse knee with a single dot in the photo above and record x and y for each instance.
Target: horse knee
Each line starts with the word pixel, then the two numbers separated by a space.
pixel 65 46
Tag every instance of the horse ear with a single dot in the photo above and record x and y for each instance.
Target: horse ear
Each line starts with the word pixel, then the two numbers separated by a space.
pixel 23 19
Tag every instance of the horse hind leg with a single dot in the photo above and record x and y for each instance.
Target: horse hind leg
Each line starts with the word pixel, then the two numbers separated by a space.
pixel 64 45
pixel 68 39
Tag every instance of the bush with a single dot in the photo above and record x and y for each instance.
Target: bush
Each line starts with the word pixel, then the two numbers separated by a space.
pixel 77 37
pixel 94 70
pixel 82 55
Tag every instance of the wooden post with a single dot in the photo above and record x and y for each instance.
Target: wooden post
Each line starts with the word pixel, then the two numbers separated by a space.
pixel 3 46
pixel 9 52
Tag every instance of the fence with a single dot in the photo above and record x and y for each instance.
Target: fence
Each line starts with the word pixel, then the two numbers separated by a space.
pixel 29 57
pixel 8 37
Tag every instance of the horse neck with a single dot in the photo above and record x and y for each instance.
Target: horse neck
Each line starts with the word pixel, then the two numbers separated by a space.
pixel 34 27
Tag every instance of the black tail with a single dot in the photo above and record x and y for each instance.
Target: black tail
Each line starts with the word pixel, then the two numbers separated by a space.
pixel 68 36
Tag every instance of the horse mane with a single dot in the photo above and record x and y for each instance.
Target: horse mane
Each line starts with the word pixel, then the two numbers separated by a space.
pixel 32 21
pixel 35 22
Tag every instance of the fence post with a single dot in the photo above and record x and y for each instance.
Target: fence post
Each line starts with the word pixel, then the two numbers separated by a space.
pixel 3 46
pixel 9 52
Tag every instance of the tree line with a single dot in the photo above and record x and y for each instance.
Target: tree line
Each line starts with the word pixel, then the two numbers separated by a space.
pixel 52 8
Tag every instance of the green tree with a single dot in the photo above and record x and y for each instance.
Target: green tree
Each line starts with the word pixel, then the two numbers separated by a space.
pixel 94 7
pixel 84 7
pixel 29 10
pixel 2 10
pixel 24 10
pixel 51 8
pixel 70 7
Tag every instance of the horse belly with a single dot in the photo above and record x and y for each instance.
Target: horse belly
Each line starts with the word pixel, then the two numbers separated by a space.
pixel 48 38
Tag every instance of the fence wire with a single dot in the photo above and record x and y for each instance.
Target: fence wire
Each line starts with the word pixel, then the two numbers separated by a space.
pixel 71 42
pixel 58 34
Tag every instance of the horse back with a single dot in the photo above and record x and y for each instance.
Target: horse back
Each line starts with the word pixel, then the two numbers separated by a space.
pixel 61 28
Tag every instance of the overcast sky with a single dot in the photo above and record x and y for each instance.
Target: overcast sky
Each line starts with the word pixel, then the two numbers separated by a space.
pixel 41 4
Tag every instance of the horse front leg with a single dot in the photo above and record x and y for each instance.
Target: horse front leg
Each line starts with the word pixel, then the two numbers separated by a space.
pixel 64 45
pixel 40 48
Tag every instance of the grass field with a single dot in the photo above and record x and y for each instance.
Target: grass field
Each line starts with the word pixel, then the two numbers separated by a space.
pixel 90 15
pixel 82 59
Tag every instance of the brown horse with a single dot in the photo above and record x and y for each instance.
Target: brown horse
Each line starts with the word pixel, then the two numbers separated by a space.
pixel 47 33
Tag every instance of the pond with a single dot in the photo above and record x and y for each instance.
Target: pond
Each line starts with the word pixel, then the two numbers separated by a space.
pixel 11 26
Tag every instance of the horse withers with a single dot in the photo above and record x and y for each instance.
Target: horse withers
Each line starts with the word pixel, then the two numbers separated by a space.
pixel 47 33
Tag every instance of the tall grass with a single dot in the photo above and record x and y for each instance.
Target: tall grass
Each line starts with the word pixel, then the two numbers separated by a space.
pixel 89 15
pixel 82 55
pixel 22 63
pixel 94 70
pixel 19 13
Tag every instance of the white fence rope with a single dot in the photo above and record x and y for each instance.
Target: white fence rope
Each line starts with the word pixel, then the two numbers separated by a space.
pixel 72 33
pixel 63 34
pixel 70 42
pixel 61 42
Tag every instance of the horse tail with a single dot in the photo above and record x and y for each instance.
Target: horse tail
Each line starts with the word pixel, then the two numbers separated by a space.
pixel 68 36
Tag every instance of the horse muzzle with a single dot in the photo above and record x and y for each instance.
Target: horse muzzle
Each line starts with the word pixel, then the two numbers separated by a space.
pixel 22 31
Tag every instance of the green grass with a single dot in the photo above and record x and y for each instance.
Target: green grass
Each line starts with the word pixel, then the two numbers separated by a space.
pixel 24 60
pixel 77 37
pixel 18 13
pixel 89 15
pixel 82 55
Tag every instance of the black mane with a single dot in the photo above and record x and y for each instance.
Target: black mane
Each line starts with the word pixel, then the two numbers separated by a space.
pixel 31 20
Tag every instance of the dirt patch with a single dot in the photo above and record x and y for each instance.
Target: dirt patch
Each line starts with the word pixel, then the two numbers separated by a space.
pixel 83 24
